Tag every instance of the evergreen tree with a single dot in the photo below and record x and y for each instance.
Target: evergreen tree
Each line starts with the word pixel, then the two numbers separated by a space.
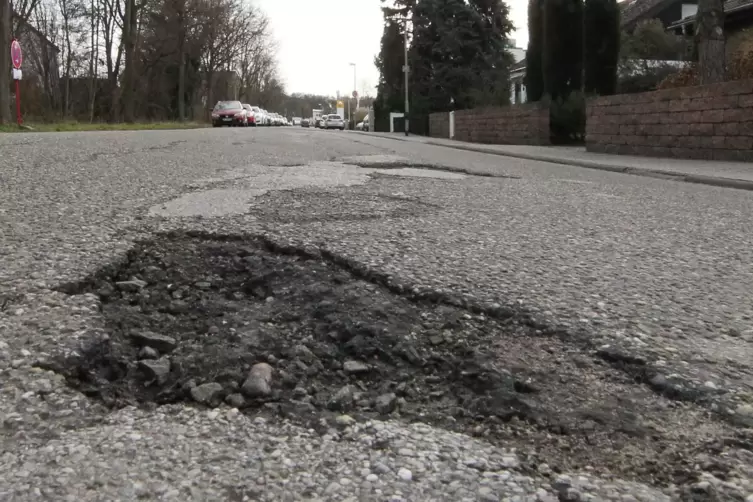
pixel 458 53
pixel 390 65
pixel 601 50
pixel 563 47
pixel 534 70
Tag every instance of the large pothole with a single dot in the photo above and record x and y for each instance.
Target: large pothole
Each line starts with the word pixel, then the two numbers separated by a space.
pixel 211 320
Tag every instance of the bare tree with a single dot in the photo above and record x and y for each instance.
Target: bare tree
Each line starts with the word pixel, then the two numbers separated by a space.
pixel 710 39
pixel 111 21
pixel 158 59
pixel 94 17
pixel 70 12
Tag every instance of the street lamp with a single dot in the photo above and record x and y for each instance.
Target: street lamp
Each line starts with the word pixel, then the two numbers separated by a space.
pixel 354 92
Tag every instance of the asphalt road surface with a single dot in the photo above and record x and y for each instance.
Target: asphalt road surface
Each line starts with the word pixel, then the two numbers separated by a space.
pixel 292 314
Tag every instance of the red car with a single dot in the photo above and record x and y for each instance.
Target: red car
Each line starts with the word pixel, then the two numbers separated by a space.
pixel 250 115
pixel 229 113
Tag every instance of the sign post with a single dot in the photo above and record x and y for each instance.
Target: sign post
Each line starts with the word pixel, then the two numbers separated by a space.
pixel 17 58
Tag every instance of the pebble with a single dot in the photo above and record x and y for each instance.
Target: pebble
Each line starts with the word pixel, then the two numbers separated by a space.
pixel 162 343
pixel 386 403
pixel 345 420
pixel 405 474
pixel 206 393
pixel 259 381
pixel 355 367
pixel 156 370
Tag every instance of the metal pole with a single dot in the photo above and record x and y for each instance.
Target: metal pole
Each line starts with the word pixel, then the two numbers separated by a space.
pixel 406 70
pixel 19 119
pixel 354 89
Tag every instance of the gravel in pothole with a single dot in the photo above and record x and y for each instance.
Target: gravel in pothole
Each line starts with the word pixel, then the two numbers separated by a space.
pixel 212 320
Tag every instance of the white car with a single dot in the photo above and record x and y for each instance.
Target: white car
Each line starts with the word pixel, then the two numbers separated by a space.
pixel 296 121
pixel 334 122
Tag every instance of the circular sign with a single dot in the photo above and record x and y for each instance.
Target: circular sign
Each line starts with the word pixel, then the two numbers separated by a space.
pixel 355 94
pixel 16 55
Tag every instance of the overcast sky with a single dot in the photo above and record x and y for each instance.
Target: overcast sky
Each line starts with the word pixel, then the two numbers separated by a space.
pixel 318 39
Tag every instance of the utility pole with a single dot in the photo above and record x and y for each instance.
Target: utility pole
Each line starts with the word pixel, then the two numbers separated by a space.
pixel 5 64
pixel 406 70
pixel 353 95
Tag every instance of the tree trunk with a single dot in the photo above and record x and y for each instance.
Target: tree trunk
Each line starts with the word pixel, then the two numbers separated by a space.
pixel 93 59
pixel 182 86
pixel 710 39
pixel 129 47
pixel 5 63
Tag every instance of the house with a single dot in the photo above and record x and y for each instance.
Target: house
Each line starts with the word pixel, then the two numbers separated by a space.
pixel 40 87
pixel 679 15
pixel 517 83
pixel 517 74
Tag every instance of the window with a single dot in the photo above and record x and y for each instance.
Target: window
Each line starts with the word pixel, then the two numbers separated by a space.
pixel 228 105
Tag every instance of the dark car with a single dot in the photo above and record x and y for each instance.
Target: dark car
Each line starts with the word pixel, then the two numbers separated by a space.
pixel 229 113
pixel 305 123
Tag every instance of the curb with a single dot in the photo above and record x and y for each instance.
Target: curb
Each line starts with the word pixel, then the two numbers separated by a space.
pixel 635 171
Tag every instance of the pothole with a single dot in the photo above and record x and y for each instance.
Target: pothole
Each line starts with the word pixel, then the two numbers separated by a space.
pixel 402 166
pixel 212 320
pixel 233 191
pixel 209 203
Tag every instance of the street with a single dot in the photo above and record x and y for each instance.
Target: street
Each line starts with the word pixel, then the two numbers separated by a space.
pixel 439 324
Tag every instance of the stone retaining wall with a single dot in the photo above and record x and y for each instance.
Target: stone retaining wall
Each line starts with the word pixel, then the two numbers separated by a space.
pixel 713 122
pixel 526 124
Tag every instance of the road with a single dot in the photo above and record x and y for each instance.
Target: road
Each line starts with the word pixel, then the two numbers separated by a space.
pixel 582 334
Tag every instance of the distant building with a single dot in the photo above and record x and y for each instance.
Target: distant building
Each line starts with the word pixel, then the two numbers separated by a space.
pixel 517 74
pixel 40 66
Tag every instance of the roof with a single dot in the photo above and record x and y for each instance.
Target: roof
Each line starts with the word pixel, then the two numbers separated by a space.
pixel 729 7
pixel 520 65
pixel 635 10
pixel 26 26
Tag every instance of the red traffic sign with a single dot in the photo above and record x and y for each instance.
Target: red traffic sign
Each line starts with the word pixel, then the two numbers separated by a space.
pixel 16 55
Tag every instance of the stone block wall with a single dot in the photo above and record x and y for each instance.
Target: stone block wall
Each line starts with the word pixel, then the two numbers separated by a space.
pixel 713 122
pixel 439 125
pixel 526 124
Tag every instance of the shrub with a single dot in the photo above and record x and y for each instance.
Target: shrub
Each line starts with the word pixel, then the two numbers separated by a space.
pixel 534 70
pixel 563 47
pixel 567 118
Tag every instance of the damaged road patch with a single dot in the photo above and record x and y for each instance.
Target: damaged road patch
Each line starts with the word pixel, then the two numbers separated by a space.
pixel 231 319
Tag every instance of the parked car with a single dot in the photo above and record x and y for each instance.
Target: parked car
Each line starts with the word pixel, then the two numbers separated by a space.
pixel 267 118
pixel 250 115
pixel 359 126
pixel 258 115
pixel 366 124
pixel 320 121
pixel 305 123
pixel 334 122
pixel 296 121
pixel 229 113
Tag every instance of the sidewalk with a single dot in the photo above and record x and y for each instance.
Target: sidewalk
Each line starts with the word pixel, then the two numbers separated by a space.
pixel 717 173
